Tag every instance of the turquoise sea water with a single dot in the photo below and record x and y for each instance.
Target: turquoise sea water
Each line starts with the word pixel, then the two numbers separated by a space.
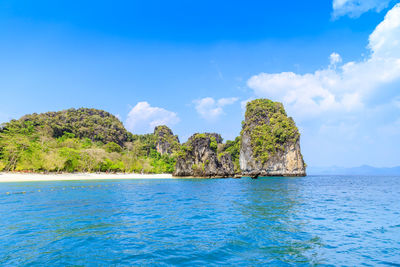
pixel 324 220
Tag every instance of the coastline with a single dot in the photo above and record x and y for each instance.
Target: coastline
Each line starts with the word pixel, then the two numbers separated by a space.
pixel 10 177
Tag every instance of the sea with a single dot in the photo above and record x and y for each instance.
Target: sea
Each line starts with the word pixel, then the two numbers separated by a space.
pixel 279 221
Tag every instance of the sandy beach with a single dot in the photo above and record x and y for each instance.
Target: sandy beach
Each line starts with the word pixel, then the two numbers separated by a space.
pixel 31 177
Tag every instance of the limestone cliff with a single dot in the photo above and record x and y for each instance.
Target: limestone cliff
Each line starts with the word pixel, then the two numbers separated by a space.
pixel 199 158
pixel 166 141
pixel 270 142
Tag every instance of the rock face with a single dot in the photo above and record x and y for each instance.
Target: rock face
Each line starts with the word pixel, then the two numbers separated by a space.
pixel 166 141
pixel 199 158
pixel 270 142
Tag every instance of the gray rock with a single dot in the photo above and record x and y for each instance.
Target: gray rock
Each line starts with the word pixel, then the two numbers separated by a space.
pixel 284 157
pixel 166 141
pixel 198 158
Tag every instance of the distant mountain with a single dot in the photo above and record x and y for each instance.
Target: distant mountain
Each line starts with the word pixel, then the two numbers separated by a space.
pixel 361 170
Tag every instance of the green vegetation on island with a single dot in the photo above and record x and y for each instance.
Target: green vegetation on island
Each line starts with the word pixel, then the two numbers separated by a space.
pixel 91 140
pixel 78 140
pixel 232 148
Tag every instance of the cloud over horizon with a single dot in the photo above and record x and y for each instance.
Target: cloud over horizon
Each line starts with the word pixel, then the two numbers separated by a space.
pixel 143 118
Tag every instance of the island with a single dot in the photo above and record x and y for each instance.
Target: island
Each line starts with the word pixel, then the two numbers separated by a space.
pixel 270 142
pixel 94 141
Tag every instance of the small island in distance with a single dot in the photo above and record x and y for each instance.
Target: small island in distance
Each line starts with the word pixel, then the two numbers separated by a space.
pixel 91 140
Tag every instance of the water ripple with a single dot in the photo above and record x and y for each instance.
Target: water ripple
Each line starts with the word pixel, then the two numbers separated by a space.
pixel 193 222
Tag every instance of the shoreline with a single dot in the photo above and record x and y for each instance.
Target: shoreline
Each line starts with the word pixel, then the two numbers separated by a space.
pixel 10 177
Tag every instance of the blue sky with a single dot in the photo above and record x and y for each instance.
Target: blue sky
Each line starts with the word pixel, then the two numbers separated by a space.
pixel 193 65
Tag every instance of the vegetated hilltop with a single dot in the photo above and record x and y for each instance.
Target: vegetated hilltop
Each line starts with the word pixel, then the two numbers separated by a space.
pixel 97 125
pixel 84 140
pixel 270 141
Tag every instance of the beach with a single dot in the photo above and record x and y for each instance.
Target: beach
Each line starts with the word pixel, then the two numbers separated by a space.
pixel 32 177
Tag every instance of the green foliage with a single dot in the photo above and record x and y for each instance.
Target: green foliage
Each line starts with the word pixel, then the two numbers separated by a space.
pixel 184 150
pixel 113 147
pixel 269 128
pixel 143 144
pixel 199 135
pixel 71 158
pixel 97 125
pixel 164 164
pixel 233 148
pixel 86 142
pixel 16 141
pixel 66 136
pixel 111 166
pixel 213 143
pixel 2 166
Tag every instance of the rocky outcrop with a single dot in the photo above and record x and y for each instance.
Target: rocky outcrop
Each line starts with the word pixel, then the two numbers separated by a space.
pixel 270 142
pixel 199 157
pixel 166 141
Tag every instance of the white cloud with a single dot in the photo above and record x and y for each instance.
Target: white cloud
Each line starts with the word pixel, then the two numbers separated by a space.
pixel 335 58
pixel 349 130
pixel 354 8
pixel 143 118
pixel 340 88
pixel 211 109
pixel 385 40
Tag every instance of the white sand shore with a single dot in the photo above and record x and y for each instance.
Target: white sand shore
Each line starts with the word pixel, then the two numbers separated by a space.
pixel 31 177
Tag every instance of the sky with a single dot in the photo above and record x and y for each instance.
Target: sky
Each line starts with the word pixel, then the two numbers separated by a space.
pixel 193 65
